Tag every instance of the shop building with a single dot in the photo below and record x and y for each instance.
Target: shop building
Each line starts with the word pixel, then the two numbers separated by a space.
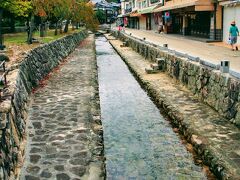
pixel 200 18
pixel 141 16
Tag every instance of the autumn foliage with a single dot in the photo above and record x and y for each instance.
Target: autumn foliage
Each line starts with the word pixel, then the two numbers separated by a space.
pixel 72 10
pixel 59 10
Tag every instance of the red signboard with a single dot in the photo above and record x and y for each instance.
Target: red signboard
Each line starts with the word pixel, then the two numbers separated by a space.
pixel 167 14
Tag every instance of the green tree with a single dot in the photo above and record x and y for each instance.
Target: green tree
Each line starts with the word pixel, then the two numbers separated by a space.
pixel 101 16
pixel 82 11
pixel 42 8
pixel 90 19
pixel 75 11
pixel 56 10
pixel 19 8
pixel 58 14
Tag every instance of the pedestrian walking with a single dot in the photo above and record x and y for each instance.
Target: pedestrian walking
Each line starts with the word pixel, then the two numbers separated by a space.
pixel 119 24
pixel 233 33
pixel 125 23
pixel 160 27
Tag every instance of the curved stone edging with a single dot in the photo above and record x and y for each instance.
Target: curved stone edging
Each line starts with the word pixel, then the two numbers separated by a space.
pixel 13 111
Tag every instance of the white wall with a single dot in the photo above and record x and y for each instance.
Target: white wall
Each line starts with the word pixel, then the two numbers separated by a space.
pixel 230 14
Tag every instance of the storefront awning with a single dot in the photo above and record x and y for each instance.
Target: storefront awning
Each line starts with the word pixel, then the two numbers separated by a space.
pixel 135 14
pixel 199 5
pixel 147 10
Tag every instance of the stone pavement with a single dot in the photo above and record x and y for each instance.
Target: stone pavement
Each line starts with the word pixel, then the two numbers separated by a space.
pixel 64 128
pixel 215 139
pixel 206 51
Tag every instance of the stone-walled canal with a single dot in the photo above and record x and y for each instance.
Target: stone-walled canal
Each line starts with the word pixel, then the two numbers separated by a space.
pixel 64 127
pixel 139 143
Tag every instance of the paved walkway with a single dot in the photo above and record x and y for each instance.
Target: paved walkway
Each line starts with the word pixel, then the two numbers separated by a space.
pixel 204 127
pixel 206 51
pixel 64 142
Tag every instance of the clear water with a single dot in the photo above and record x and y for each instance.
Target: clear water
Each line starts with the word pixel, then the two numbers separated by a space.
pixel 139 142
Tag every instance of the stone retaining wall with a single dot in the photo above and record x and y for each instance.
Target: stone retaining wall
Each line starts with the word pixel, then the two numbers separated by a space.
pixel 13 110
pixel 220 91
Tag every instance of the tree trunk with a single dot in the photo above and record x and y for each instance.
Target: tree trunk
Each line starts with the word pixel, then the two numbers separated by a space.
pixel 28 32
pixel 66 26
pixel 56 29
pixel 42 29
pixel 60 27
pixel 1 35
pixel 73 26
pixel 30 29
pixel 12 24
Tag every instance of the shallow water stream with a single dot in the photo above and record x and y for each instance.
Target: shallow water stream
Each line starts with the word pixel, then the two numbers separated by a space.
pixel 139 142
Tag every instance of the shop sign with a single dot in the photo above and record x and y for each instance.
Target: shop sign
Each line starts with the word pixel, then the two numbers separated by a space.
pixel 167 14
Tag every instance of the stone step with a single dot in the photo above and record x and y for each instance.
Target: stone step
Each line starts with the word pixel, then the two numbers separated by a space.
pixel 124 44
pixel 161 63
pixel 150 70
pixel 154 66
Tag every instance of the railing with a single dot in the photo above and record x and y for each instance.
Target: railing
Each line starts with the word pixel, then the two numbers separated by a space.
pixel 3 79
